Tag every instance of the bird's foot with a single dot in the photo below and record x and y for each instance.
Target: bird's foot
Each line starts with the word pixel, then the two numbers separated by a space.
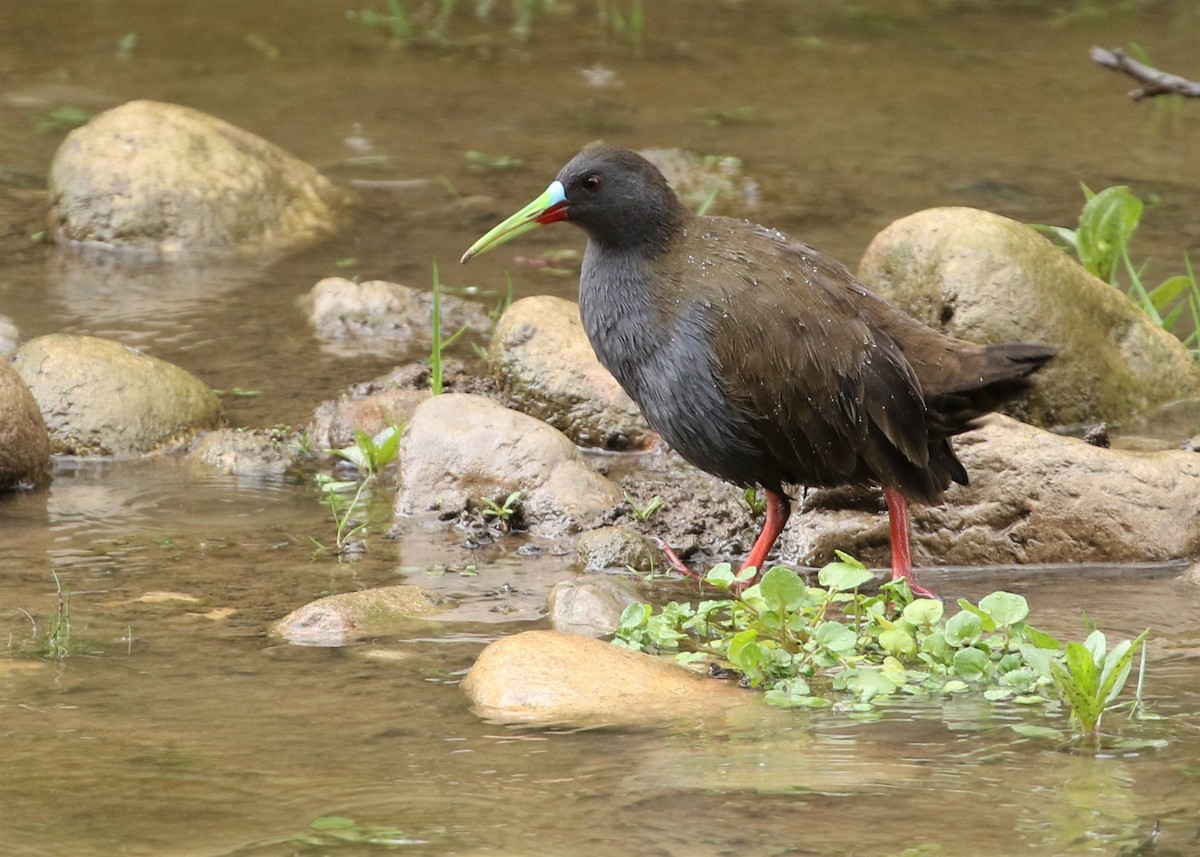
pixel 674 561
pixel 915 588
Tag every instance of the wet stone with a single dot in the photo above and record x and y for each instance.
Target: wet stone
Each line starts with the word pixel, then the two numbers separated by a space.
pixel 165 179
pixel 985 278
pixel 590 605
pixel 459 451
pixel 548 677
pixel 99 397
pixel 545 367
pixel 337 620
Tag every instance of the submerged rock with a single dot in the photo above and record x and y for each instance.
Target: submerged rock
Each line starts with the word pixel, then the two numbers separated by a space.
pixel 548 677
pixel 99 397
pixel 356 317
pixel 546 368
pixel 337 620
pixel 985 278
pixel 244 452
pixel 167 179
pixel 1034 497
pixel 590 604
pixel 24 442
pixel 460 450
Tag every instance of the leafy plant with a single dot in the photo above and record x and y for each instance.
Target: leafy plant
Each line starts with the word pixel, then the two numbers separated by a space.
pixel 502 512
pixel 57 642
pixel 817 646
pixel 646 512
pixel 753 501
pixel 1089 678
pixel 371 454
pixel 346 498
pixel 439 346
pixel 63 119
pixel 432 20
pixel 484 161
pixel 1101 243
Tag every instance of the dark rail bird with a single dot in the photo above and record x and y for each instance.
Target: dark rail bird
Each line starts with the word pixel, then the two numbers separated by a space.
pixel 759 359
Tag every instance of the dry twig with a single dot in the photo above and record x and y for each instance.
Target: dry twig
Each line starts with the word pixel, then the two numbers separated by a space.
pixel 1154 82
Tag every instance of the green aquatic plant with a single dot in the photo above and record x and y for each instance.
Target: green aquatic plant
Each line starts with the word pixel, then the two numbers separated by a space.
pixel 503 512
pixel 436 371
pixel 1101 243
pixel 645 512
pixel 346 498
pixel 753 501
pixel 828 644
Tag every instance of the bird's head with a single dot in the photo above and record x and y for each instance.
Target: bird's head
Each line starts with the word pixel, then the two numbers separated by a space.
pixel 615 195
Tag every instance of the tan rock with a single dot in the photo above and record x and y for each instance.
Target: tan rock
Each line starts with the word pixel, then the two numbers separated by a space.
pixel 545 367
pixel 167 179
pixel 550 677
pixel 985 278
pixel 99 397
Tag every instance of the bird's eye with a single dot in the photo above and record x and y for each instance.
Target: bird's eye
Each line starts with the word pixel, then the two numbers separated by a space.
pixel 591 183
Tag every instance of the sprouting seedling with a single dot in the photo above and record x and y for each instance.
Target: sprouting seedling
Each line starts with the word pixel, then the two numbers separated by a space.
pixel 752 500
pixel 345 498
pixel 436 372
pixel 502 511
pixel 646 512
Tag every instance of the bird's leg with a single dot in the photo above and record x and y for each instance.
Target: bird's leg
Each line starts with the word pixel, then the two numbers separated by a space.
pixel 901 556
pixel 779 508
pixel 674 561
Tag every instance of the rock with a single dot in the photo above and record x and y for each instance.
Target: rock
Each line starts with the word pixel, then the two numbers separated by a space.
pixel 590 605
pixel 983 277
pixel 335 421
pixel 1034 497
pixel 244 452
pixel 460 449
pixel 340 619
pixel 354 317
pixel 546 368
pixel 166 179
pixel 24 442
pixel 549 677
pixel 614 547
pixel 100 398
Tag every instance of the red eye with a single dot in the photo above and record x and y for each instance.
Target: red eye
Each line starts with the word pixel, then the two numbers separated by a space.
pixel 591 183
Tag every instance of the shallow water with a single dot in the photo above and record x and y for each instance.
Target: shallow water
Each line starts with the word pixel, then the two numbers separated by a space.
pixel 177 726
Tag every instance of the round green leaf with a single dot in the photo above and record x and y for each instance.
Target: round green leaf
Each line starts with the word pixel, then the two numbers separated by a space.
pixel 923 612
pixel 970 664
pixel 1005 608
pixel 836 637
pixel 963 629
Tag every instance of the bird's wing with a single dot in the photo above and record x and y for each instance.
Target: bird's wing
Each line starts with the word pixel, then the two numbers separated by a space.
pixel 831 398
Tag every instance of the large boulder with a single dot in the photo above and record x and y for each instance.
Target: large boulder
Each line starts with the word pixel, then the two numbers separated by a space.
pixel 550 677
pixel 460 450
pixel 167 179
pixel 1034 497
pixel 545 367
pixel 99 397
pixel 24 443
pixel 985 278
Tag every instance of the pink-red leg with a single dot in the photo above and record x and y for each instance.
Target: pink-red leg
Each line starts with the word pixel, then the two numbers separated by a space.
pixel 779 508
pixel 901 556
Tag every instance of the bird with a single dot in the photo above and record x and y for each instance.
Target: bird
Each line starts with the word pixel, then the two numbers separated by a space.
pixel 760 359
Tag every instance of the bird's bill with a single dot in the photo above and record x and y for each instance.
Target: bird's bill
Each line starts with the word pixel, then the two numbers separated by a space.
pixel 550 207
